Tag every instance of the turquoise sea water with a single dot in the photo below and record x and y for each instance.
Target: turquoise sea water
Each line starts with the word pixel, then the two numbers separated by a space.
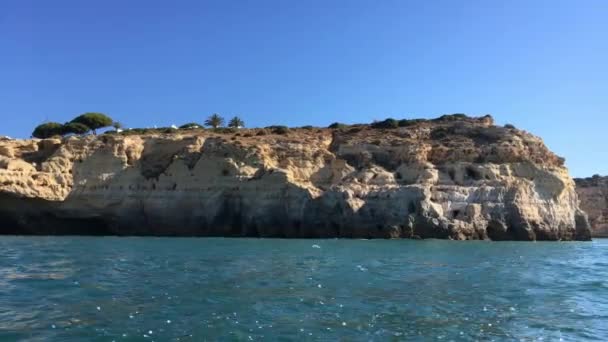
pixel 173 289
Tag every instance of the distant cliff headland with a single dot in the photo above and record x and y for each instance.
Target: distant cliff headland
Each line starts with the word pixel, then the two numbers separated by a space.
pixel 593 193
pixel 454 177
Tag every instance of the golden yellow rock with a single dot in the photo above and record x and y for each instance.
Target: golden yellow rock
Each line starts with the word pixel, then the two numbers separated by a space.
pixel 453 178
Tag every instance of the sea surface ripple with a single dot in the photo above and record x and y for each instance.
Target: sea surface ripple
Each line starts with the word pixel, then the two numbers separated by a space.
pixel 174 289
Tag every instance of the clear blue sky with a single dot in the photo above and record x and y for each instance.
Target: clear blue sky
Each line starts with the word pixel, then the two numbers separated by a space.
pixel 541 65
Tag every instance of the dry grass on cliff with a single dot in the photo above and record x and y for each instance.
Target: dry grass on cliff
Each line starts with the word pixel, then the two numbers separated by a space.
pixel 450 137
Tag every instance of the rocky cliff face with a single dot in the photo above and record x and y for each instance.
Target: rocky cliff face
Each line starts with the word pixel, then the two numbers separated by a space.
pixel 593 193
pixel 452 178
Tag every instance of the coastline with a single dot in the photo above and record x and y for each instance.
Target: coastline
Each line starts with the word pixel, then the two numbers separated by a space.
pixel 454 177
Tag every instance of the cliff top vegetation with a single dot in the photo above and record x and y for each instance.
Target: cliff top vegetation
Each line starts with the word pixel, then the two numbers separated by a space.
pixel 595 180
pixel 456 137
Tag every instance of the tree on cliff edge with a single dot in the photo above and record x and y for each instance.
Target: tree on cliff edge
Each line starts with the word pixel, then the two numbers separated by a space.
pixel 214 121
pixel 74 128
pixel 94 121
pixel 236 122
pixel 47 130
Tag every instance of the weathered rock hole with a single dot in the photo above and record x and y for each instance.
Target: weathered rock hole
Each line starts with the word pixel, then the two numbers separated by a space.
pixel 474 174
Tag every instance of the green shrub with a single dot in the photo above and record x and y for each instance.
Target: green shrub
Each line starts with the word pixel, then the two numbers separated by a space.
pixel 142 131
pixel 191 125
pixel 47 130
pixel 509 126
pixel 441 133
pixel 412 122
pixel 308 127
pixel 388 123
pixel 337 125
pixel 224 130
pixel 166 130
pixel 281 130
pixel 486 135
pixel 137 131
pixel 278 129
pixel 452 117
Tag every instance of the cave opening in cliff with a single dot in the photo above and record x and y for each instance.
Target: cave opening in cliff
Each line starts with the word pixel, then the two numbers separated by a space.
pixel 9 224
pixel 499 232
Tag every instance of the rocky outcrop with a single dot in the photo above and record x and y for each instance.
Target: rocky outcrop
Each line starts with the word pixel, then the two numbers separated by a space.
pixel 593 193
pixel 450 178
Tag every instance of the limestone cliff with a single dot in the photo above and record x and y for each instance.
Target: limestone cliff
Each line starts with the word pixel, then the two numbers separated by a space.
pixel 593 193
pixel 453 177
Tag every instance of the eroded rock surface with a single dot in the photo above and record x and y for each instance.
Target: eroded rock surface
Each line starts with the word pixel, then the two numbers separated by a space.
pixel 454 178
pixel 593 193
